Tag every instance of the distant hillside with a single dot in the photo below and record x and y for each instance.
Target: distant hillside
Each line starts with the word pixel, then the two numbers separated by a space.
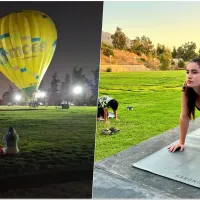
pixel 106 37
pixel 120 58
pixel 127 61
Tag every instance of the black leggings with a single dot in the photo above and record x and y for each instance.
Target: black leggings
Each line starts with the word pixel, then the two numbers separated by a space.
pixel 100 112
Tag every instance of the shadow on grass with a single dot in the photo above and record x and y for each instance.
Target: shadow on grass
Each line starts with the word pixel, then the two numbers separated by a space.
pixel 28 175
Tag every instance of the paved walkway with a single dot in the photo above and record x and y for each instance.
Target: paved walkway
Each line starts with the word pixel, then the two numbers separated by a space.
pixel 114 177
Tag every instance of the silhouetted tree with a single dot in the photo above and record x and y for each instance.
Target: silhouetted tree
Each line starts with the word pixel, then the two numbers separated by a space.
pixel 93 85
pixel 65 88
pixel 53 91
pixel 77 76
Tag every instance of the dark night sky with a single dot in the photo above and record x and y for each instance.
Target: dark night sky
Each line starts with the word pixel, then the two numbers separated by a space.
pixel 79 35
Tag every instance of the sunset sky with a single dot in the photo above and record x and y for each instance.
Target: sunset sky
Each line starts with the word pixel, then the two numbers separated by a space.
pixel 169 23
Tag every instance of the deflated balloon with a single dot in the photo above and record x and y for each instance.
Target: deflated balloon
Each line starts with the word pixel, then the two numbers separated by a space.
pixel 27 44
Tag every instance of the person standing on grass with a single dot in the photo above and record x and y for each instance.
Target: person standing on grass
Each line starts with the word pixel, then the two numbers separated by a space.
pixel 104 103
pixel 10 140
pixel 190 99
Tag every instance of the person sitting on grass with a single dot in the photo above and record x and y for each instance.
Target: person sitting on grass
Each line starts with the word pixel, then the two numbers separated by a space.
pixel 104 103
pixel 10 140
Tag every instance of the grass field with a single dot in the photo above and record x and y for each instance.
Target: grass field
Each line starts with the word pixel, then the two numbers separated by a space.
pixel 52 138
pixel 155 97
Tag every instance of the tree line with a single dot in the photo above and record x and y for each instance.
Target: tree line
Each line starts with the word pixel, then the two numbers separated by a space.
pixel 144 46
pixel 63 90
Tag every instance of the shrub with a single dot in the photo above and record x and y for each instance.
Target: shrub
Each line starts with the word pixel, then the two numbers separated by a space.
pixel 143 59
pixel 172 63
pixel 181 64
pixel 108 52
pixel 104 44
pixel 137 52
pixel 109 69
pixel 149 65
pixel 107 49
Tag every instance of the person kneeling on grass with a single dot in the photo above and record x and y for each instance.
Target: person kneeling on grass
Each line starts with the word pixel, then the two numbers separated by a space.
pixel 104 103
pixel 10 140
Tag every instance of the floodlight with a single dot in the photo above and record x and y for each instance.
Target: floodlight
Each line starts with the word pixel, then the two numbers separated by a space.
pixel 77 90
pixel 17 97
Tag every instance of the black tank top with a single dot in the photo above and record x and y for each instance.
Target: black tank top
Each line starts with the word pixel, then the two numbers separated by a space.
pixel 197 108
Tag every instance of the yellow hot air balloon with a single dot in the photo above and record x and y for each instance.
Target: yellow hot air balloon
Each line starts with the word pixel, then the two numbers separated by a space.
pixel 27 44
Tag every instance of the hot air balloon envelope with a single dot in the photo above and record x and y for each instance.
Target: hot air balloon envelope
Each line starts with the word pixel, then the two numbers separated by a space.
pixel 27 44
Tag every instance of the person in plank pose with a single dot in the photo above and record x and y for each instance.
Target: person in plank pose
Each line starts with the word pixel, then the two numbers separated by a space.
pixel 189 101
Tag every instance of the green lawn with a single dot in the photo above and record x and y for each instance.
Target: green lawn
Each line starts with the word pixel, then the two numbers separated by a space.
pixel 54 138
pixel 155 97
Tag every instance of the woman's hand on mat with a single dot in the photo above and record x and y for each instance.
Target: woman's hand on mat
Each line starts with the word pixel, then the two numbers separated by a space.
pixel 176 146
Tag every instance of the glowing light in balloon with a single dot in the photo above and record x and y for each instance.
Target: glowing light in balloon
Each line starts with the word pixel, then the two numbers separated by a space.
pixel 27 44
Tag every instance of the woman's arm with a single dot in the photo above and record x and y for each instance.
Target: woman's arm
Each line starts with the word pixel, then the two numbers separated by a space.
pixel 184 124
pixel 184 119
